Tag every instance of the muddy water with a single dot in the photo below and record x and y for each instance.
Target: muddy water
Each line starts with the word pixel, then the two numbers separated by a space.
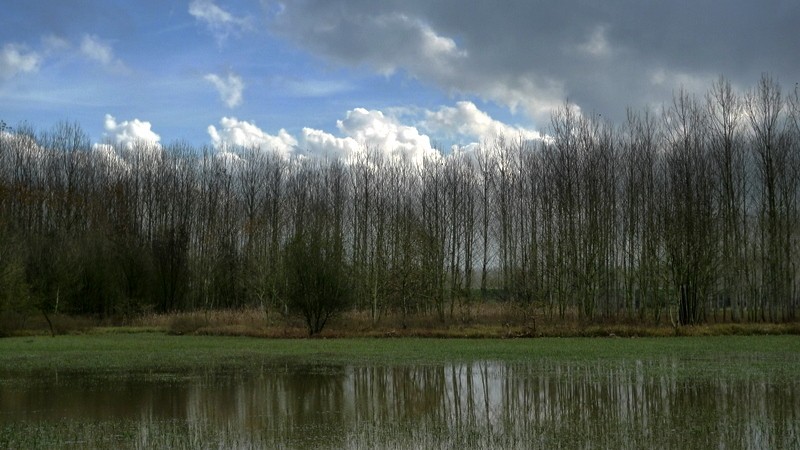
pixel 623 404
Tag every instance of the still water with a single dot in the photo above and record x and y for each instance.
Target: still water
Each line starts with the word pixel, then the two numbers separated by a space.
pixel 543 404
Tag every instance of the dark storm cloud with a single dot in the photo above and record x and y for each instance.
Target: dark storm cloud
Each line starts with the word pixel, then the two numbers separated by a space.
pixel 602 55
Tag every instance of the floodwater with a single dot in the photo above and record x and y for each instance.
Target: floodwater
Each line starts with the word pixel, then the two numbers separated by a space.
pixel 542 404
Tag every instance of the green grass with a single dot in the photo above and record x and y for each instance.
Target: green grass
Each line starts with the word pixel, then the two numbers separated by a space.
pixel 147 351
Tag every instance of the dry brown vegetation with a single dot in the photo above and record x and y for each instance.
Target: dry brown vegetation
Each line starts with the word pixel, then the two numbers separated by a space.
pixel 490 320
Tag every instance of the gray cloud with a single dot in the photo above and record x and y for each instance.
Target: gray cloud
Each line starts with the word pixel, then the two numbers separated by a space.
pixel 603 56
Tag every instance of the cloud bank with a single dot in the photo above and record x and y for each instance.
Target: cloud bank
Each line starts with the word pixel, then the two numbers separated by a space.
pixel 364 130
pixel 602 56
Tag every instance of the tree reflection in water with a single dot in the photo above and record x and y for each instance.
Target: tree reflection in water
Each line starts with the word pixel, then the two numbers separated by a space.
pixel 627 404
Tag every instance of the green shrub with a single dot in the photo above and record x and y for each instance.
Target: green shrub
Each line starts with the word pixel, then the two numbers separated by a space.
pixel 317 283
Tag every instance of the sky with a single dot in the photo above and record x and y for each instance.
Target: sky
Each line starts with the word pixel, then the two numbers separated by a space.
pixel 330 76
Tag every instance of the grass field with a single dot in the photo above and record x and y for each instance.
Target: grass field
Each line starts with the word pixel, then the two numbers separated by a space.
pixel 153 351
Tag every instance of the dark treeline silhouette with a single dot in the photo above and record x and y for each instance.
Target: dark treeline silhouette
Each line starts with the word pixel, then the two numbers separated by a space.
pixel 688 215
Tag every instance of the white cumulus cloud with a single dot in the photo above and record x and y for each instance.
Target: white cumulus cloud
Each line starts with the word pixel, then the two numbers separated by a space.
pixel 240 133
pixel 361 130
pixel 16 60
pixel 372 130
pixel 465 119
pixel 375 130
pixel 129 133
pixel 325 145
pixel 230 88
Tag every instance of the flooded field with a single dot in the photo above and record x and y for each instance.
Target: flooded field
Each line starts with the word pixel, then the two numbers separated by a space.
pixel 628 403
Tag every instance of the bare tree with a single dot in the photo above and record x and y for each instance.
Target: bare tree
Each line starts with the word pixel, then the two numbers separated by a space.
pixel 689 213
pixel 729 159
pixel 764 107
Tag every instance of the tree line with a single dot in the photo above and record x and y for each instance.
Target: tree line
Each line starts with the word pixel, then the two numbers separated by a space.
pixel 687 214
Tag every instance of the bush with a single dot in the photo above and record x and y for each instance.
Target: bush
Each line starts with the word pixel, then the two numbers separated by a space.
pixel 317 284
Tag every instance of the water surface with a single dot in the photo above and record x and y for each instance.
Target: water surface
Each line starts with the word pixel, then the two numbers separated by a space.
pixel 650 403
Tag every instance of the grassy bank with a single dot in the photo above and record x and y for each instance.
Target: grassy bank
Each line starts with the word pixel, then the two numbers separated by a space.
pixel 161 352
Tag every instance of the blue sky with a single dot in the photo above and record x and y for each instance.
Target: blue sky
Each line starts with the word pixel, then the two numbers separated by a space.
pixel 326 75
